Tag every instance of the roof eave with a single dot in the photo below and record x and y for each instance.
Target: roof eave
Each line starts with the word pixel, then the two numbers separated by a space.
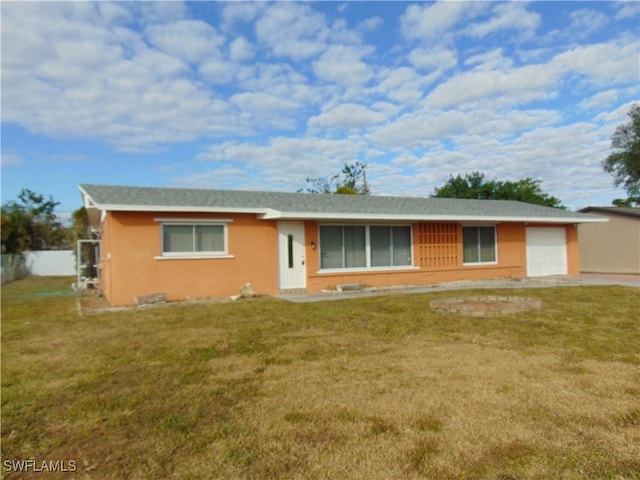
pixel 613 211
pixel 276 215
pixel 94 212
pixel 180 209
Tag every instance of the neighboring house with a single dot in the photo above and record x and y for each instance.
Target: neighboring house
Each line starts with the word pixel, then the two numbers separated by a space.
pixel 612 247
pixel 192 243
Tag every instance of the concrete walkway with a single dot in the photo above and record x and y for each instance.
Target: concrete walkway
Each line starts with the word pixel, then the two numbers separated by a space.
pixel 535 282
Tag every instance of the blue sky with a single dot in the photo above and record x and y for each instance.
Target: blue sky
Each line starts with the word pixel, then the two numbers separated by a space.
pixel 261 96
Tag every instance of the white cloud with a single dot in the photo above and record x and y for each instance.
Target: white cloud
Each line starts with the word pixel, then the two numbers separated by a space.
pixel 113 13
pixel 67 75
pixel 159 12
pixel 7 159
pixel 241 50
pixel 292 30
pixel 223 177
pixel 340 33
pixel 219 72
pixel 403 84
pixel 493 124
pixel 262 104
pixel 600 100
pixel 507 16
pixel 369 24
pixel 343 65
pixel 69 157
pixel 431 20
pixel 348 116
pixel 188 40
pixel 491 60
pixel 627 9
pixel 602 63
pixel 35 34
pixel 282 149
pixel 438 58
pixel 388 108
pixel 513 87
pixel 616 117
pixel 418 129
pixel 584 22
pixel 534 154
pixel 426 128
pixel 280 80
pixel 303 158
pixel 240 12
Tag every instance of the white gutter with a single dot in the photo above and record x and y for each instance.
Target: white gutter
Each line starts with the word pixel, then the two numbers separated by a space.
pixel 274 215
pixel 183 209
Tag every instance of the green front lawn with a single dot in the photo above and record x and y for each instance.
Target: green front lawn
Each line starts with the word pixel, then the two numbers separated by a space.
pixel 375 388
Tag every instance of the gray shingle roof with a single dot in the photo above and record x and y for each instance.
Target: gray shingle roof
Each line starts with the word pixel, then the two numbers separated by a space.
pixel 318 206
pixel 633 212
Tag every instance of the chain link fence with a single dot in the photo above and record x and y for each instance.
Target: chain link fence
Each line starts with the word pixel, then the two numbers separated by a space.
pixel 13 267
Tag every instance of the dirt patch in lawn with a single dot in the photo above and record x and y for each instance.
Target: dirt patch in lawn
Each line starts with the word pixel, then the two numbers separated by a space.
pixel 486 305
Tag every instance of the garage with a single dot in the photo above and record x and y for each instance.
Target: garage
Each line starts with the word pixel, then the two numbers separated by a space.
pixel 546 251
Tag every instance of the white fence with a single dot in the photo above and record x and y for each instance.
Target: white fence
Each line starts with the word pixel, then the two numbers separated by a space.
pixel 50 263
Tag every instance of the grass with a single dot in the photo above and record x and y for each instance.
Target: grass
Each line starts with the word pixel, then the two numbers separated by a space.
pixel 375 388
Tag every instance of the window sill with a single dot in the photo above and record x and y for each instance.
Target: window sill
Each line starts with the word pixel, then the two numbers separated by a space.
pixel 479 264
pixel 331 271
pixel 192 257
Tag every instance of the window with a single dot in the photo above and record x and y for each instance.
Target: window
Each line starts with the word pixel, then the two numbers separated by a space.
pixel 390 246
pixel 194 239
pixel 361 246
pixel 290 250
pixel 342 247
pixel 479 244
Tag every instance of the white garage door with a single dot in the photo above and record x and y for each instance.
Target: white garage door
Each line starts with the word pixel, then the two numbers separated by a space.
pixel 546 251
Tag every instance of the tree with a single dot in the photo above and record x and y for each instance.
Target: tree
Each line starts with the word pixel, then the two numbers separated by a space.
pixel 626 202
pixel 353 181
pixel 355 178
pixel 31 224
pixel 624 162
pixel 475 186
pixel 80 226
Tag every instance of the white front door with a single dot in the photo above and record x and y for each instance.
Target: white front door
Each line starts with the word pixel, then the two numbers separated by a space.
pixel 546 251
pixel 292 271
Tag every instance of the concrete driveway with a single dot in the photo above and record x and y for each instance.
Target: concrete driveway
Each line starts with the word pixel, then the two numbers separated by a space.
pixel 608 279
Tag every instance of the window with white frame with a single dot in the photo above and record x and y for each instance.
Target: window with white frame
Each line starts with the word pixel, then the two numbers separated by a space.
pixel 193 239
pixel 479 244
pixel 365 246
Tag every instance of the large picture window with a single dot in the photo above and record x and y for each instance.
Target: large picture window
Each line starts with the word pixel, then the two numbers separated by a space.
pixel 193 239
pixel 362 246
pixel 479 244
